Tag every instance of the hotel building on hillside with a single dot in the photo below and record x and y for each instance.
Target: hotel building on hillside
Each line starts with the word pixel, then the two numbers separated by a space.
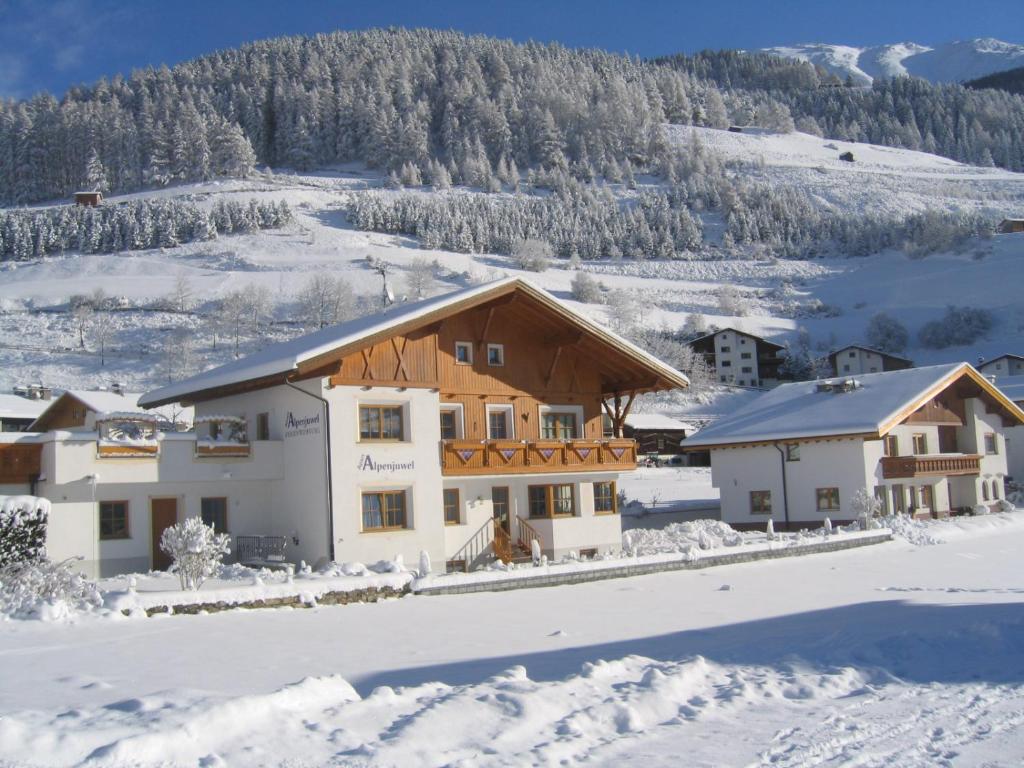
pixel 925 441
pixel 468 426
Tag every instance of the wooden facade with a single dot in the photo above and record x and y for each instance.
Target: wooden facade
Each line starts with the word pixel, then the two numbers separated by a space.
pixel 20 463
pixel 894 467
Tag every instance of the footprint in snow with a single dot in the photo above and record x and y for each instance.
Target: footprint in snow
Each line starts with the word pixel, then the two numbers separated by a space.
pixel 559 633
pixel 725 588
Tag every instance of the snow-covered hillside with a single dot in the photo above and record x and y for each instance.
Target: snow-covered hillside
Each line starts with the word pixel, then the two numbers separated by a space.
pixel 39 341
pixel 956 61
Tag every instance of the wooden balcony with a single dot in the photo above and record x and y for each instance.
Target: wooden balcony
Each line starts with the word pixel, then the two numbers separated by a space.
pixel 19 463
pixel 207 449
pixel 127 450
pixel 513 457
pixel 940 465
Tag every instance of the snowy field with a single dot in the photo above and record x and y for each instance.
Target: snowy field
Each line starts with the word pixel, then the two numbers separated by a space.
pixel 893 655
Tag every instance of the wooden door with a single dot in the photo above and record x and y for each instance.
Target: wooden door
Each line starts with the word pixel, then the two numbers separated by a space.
pixel 500 502
pixel 164 513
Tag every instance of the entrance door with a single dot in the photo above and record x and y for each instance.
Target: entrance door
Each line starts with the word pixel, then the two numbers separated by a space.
pixel 899 500
pixel 164 513
pixel 499 499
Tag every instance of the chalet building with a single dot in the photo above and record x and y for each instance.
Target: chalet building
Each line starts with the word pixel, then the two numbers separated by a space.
pixel 924 441
pixel 740 358
pixel 89 199
pixel 656 434
pixel 856 359
pixel 17 412
pixel 1013 388
pixel 1004 365
pixel 467 425
pixel 80 408
pixel 1010 226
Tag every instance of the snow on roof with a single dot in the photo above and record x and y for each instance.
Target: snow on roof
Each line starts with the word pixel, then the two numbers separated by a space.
pixel 1007 356
pixel 866 348
pixel 286 356
pixel 128 416
pixel 714 333
pixel 219 417
pixel 17 407
pixel 1012 387
pixel 106 401
pixel 657 421
pixel 799 410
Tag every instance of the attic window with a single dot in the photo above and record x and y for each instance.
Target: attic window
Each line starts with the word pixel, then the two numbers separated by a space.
pixel 463 353
pixel 495 354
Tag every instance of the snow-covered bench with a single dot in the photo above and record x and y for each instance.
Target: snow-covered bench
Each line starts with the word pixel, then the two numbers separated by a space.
pixel 261 551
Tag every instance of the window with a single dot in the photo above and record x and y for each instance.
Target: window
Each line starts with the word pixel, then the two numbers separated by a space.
pixel 551 501
pixel 451 506
pixel 746 369
pixel 448 428
pixel 760 502
pixel 991 444
pixel 495 354
pixel 380 422
pixel 726 349
pixel 793 452
pixel 214 511
pixel 500 505
pixel 464 352
pixel 828 499
pixel 214 429
pixel 984 491
pixel 262 426
pixel 605 500
pixel 883 500
pixel 846 369
pixel 499 422
pixel 744 355
pixel 384 511
pixel 726 363
pixel 853 354
pixel 607 428
pixel 114 520
pixel 920 442
pixel 891 446
pixel 558 425
pixel 743 341
pixel 995 491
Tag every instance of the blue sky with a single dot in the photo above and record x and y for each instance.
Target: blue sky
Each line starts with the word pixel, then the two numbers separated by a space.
pixel 53 44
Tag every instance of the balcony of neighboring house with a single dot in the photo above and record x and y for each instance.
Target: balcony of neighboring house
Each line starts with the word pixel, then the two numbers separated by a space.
pixel 127 435
pixel 510 457
pixel 934 465
pixel 19 462
pixel 221 436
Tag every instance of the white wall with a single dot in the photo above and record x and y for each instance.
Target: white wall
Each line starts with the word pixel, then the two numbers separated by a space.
pixel 853 362
pixel 731 364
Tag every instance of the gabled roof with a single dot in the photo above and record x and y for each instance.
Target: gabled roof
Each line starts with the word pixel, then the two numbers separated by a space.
pixel 657 422
pixel 272 365
pixel 1007 356
pixel 866 348
pixel 18 407
pixel 711 335
pixel 879 403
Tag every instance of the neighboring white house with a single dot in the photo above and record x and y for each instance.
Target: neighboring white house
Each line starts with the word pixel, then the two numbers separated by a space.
pixel 1013 388
pixel 922 440
pixel 740 358
pixel 468 426
pixel 1004 365
pixel 855 359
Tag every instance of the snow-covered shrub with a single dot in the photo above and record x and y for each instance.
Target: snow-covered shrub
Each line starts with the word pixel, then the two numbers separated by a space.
pixel 827 525
pixel 586 289
pixel 532 254
pixel 22 529
pixel 1005 506
pixel 44 589
pixel 770 531
pixel 732 302
pixel 865 506
pixel 195 549
pixel 424 563
pixel 980 509
pixel 959 326
pixel 886 333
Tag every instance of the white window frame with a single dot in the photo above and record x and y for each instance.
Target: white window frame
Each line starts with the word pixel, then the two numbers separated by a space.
pixel 460 418
pixel 469 347
pixel 575 409
pixel 501 355
pixel 510 419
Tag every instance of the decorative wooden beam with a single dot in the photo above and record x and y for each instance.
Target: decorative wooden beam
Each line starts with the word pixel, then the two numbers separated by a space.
pixel 400 351
pixel 367 369
pixel 487 327
pixel 551 370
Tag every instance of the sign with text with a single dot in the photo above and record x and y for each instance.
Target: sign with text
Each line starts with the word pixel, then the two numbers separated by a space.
pixel 298 426
pixel 367 463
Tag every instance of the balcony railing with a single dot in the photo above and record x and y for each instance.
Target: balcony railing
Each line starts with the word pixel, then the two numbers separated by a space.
pixel 939 465
pixel 126 449
pixel 510 457
pixel 214 449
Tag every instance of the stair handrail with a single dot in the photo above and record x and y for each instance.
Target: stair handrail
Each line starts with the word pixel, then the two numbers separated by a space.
pixel 502 542
pixel 476 545
pixel 527 535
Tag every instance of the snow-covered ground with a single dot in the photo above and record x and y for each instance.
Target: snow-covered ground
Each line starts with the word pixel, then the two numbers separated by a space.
pixel 893 655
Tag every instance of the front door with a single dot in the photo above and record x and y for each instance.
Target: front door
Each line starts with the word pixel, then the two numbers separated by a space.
pixel 164 513
pixel 499 500
pixel 899 500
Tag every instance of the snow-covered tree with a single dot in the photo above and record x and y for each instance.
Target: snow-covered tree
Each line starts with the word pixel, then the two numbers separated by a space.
pixel 532 254
pixel 195 549
pixel 586 288
pixel 886 333
pixel 23 521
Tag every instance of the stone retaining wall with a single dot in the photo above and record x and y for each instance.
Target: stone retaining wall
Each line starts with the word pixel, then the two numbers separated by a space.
pixel 368 595
pixel 834 544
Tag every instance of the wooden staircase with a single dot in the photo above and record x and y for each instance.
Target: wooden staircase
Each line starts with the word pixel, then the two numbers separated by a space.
pixel 517 550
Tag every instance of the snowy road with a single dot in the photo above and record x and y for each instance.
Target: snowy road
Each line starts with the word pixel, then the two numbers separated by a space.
pixel 891 655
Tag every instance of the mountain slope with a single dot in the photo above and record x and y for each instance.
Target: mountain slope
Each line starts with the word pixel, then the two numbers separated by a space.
pixel 1011 81
pixel 956 61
